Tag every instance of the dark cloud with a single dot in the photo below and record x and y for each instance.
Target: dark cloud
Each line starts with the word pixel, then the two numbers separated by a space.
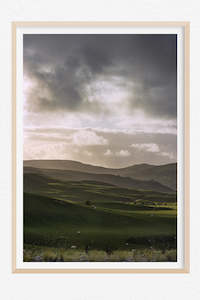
pixel 65 67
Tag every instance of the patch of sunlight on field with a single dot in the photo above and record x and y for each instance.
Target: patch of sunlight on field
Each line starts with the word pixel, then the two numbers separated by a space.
pixel 56 183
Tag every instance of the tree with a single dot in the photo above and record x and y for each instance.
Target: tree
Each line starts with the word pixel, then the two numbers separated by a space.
pixel 88 202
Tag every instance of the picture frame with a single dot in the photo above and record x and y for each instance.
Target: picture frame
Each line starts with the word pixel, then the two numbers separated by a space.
pixel 184 28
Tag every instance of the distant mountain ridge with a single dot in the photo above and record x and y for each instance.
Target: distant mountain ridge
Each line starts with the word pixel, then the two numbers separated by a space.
pixel 67 165
pixel 163 174
pixel 124 182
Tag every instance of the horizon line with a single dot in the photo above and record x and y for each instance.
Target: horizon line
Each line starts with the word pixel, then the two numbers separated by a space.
pixel 149 164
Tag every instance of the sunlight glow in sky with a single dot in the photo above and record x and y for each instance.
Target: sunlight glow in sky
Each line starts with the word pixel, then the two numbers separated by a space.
pixel 108 100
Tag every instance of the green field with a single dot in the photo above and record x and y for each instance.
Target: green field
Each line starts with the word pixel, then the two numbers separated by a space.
pixel 90 216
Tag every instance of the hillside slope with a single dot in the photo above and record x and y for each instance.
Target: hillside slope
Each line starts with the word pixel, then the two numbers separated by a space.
pixel 124 182
pixel 164 174
pixel 90 190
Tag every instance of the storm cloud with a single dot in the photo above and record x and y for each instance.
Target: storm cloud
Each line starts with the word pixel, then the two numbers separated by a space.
pixel 70 72
pixel 106 99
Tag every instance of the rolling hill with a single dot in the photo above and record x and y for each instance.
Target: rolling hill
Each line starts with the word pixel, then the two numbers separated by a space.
pixel 74 211
pixel 56 223
pixel 166 175
pixel 90 190
pixel 120 181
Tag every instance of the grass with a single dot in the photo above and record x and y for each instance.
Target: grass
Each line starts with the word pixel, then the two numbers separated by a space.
pixel 97 222
pixel 45 254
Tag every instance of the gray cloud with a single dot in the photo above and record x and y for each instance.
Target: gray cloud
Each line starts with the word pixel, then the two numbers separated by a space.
pixel 109 149
pixel 108 100
pixel 65 69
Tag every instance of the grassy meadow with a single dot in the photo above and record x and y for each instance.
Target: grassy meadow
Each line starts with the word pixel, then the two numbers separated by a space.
pixel 95 221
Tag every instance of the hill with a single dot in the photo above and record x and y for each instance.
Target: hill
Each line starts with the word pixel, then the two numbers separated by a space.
pixel 107 223
pixel 124 182
pixel 164 174
pixel 90 190
pixel 81 215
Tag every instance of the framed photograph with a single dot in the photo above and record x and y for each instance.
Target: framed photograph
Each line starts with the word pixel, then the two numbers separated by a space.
pixel 100 147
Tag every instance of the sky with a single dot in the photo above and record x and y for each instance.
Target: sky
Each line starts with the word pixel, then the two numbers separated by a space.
pixel 102 99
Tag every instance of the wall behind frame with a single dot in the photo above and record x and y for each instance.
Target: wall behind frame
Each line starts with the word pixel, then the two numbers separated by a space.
pixel 98 287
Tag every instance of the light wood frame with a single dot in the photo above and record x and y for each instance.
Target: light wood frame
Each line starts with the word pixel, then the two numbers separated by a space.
pixel 186 27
